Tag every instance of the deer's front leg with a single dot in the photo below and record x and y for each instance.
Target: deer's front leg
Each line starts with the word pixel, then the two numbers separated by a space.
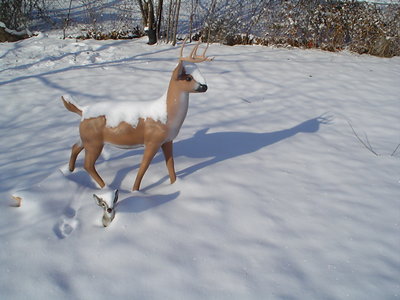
pixel 167 149
pixel 149 152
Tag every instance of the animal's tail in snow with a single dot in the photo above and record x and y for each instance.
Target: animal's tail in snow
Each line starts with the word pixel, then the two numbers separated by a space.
pixel 71 106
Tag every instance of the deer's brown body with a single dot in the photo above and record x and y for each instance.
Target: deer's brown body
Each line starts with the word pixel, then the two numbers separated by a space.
pixel 150 132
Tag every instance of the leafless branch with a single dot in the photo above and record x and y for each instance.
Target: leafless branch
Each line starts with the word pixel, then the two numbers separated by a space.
pixel 366 143
pixel 395 150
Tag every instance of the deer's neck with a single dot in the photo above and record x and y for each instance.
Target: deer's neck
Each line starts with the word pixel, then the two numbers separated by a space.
pixel 177 107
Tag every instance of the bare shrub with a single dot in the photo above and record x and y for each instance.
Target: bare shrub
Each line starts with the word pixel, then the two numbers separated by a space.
pixel 361 27
pixel 333 25
pixel 15 14
pixel 136 32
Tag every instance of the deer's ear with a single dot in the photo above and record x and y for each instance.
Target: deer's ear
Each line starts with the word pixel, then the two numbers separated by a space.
pixel 179 71
pixel 115 196
pixel 98 200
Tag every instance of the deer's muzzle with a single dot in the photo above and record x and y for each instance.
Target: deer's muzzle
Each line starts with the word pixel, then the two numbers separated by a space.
pixel 201 88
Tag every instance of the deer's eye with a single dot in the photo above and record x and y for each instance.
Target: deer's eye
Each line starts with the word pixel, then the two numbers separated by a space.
pixel 189 78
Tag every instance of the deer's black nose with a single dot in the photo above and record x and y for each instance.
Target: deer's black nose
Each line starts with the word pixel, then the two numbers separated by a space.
pixel 201 88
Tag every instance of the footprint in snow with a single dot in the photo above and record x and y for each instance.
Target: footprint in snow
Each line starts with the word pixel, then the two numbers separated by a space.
pixel 67 223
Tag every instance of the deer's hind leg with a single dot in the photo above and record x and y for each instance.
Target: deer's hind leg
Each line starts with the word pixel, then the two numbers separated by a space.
pixel 76 149
pixel 92 153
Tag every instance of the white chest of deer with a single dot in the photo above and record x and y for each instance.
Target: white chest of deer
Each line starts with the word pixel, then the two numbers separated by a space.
pixel 175 124
pixel 180 102
pixel 152 124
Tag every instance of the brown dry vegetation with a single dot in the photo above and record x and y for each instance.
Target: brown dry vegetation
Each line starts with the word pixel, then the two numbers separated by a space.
pixel 332 25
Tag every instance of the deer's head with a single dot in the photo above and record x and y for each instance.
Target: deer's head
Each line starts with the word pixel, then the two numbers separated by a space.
pixel 187 74
pixel 107 202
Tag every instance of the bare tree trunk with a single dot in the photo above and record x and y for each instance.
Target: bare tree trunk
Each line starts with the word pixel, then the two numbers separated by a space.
pixel 144 14
pixel 210 18
pixel 159 18
pixel 193 9
pixel 173 18
pixel 67 20
pixel 152 28
pixel 149 23
pixel 169 26
pixel 175 29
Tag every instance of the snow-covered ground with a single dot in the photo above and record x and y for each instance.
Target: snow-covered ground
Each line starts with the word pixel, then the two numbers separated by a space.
pixel 275 198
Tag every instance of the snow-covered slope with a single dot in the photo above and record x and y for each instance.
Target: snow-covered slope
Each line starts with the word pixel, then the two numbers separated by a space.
pixel 275 198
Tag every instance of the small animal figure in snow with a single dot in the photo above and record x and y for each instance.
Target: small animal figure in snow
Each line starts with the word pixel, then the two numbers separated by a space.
pixel 18 199
pixel 108 207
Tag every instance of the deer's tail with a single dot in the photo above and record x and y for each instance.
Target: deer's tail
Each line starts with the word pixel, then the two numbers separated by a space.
pixel 71 106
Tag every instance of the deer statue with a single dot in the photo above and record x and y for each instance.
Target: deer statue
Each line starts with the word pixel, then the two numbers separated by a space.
pixel 152 124
pixel 108 207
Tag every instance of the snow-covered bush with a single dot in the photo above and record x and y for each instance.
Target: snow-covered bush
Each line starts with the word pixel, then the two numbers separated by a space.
pixel 16 14
pixel 377 31
pixel 8 35
pixel 233 22
pixel 78 18
pixel 112 35
pixel 334 25
pixel 363 27
pixel 101 19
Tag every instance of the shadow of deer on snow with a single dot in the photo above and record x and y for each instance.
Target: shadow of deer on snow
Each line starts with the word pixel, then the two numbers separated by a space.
pixel 221 146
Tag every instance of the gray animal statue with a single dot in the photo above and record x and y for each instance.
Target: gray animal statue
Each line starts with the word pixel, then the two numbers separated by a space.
pixel 108 207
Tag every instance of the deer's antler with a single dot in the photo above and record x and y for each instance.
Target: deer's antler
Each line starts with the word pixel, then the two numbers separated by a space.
pixel 193 57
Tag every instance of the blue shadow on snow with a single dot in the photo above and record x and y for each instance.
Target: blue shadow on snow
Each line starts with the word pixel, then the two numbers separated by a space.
pixel 220 146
